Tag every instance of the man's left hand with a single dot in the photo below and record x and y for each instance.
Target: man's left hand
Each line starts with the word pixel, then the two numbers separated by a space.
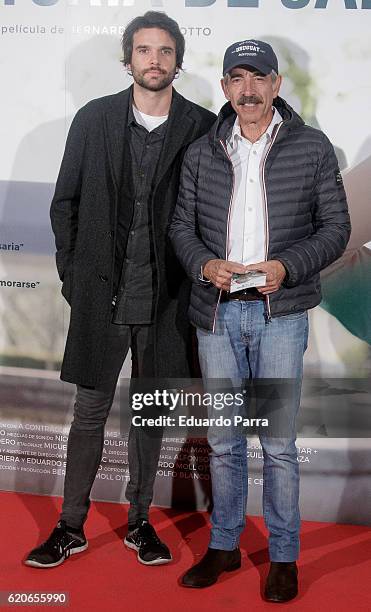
pixel 275 272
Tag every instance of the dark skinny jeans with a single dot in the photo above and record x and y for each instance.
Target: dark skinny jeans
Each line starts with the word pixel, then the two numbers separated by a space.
pixel 86 437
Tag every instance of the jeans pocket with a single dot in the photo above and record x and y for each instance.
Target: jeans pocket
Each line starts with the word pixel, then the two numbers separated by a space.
pixel 293 316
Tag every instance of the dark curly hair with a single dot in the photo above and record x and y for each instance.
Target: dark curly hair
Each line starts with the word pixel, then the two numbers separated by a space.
pixel 153 19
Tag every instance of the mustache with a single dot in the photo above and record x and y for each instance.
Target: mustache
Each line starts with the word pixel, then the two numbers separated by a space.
pixel 160 70
pixel 249 100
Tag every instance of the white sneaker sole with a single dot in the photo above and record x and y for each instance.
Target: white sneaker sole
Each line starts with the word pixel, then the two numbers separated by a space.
pixel 73 551
pixel 154 562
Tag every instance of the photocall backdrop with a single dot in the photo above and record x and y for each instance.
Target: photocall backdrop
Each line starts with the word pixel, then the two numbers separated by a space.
pixel 55 55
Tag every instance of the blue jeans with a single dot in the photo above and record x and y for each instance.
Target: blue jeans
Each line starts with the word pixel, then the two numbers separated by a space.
pixel 245 347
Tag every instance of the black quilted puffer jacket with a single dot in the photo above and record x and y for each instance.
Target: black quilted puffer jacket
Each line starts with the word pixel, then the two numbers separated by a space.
pixel 307 221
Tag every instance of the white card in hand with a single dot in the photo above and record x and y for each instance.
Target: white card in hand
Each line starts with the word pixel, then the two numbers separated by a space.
pixel 247 280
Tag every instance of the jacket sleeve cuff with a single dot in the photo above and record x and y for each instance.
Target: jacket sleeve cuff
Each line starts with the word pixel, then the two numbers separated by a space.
pixel 289 280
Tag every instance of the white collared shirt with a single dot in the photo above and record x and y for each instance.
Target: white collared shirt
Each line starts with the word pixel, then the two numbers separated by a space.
pixel 246 238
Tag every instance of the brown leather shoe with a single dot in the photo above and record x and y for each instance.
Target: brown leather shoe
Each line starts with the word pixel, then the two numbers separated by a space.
pixel 282 582
pixel 208 570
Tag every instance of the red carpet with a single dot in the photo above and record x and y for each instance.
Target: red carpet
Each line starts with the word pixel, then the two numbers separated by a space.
pixel 335 564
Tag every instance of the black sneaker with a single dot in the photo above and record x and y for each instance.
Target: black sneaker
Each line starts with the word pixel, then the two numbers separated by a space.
pixel 150 549
pixel 57 548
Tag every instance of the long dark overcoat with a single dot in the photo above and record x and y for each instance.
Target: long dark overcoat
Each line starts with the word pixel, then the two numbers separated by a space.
pixel 84 219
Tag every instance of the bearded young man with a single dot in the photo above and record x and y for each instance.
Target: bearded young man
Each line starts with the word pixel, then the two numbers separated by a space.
pixel 116 190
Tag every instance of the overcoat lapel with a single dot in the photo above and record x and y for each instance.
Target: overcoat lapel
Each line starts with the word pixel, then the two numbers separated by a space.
pixel 179 133
pixel 115 124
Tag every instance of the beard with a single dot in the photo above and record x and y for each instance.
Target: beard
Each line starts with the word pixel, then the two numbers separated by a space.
pixel 161 83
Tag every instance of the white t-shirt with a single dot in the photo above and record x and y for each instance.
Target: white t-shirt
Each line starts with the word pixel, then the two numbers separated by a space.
pixel 148 121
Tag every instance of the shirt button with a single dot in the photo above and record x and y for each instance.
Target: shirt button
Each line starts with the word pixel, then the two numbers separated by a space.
pixel 255 152
pixel 138 203
pixel 132 233
pixel 251 180
pixel 249 208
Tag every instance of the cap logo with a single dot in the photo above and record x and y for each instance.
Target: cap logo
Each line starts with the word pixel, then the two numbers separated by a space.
pixel 247 48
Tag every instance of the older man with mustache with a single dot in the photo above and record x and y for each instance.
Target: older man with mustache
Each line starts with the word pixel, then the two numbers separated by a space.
pixel 262 192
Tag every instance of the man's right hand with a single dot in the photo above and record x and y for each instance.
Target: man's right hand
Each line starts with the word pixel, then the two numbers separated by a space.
pixel 219 272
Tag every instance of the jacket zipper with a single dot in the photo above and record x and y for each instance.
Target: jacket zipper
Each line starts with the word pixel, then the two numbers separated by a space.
pixel 227 239
pixel 266 221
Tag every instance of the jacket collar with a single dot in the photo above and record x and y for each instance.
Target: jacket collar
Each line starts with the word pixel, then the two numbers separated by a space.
pixel 223 126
